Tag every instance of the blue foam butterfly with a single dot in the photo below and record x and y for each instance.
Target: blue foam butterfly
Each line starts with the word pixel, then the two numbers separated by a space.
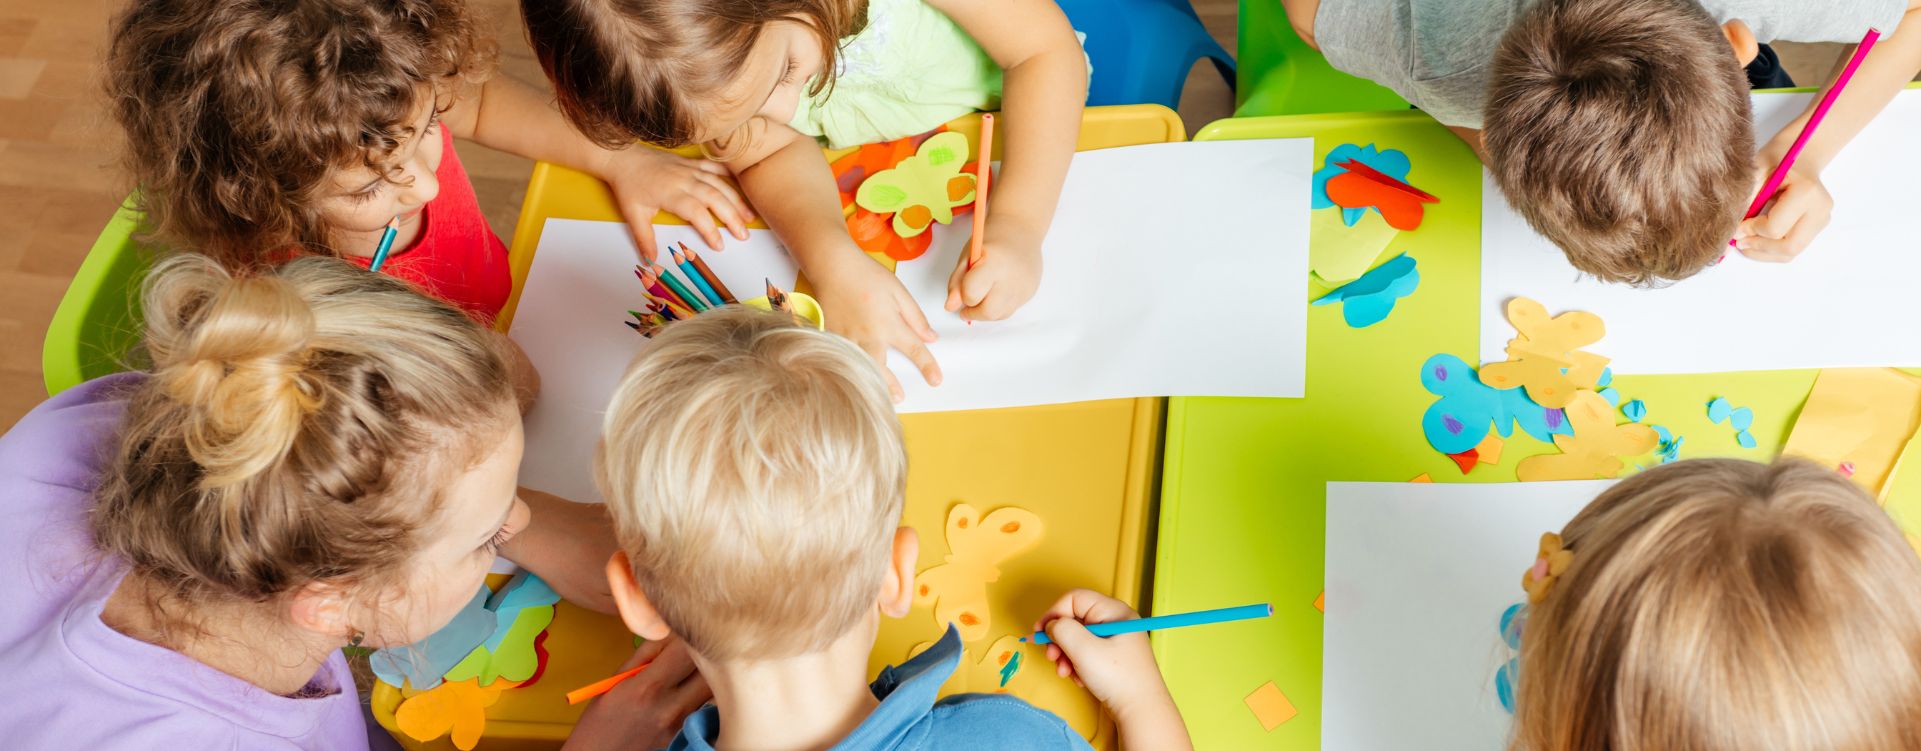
pixel 1461 418
pixel 1370 298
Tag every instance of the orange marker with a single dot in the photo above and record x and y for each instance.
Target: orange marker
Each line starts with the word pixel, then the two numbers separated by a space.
pixel 984 175
pixel 603 685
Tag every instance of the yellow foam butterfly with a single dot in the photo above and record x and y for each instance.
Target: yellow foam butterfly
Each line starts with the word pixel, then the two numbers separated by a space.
pixel 1594 451
pixel 1545 354
pixel 922 189
pixel 457 707
pixel 957 589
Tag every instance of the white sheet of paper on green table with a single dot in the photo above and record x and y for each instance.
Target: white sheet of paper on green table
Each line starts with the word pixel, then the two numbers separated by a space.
pixel 577 293
pixel 1828 308
pixel 1171 270
pixel 1418 575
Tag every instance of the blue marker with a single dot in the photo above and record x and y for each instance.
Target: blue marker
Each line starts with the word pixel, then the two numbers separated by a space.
pixel 386 244
pixel 1160 622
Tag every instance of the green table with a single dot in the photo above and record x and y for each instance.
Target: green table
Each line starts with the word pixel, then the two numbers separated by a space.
pixel 1243 503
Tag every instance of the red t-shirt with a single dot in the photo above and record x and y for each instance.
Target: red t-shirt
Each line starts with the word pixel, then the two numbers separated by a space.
pixel 457 258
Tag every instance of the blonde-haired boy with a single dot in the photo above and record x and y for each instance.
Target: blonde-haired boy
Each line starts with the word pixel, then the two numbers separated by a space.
pixel 755 474
pixel 1620 128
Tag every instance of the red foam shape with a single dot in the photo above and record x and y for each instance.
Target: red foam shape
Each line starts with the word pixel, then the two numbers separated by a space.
pixel 1467 459
pixel 1352 190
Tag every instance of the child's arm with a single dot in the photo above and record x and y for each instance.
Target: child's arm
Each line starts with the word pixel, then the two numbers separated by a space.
pixel 1119 669
pixel 505 114
pixel 786 174
pixel 1803 206
pixel 567 544
pixel 1045 84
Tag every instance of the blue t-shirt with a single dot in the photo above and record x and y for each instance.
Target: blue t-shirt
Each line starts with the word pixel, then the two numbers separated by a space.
pixel 909 718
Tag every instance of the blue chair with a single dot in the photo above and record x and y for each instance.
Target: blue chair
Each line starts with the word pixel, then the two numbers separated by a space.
pixel 1142 50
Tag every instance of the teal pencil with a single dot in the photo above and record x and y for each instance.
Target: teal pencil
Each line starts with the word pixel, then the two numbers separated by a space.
pixel 693 275
pixel 680 288
pixel 386 244
pixel 1159 622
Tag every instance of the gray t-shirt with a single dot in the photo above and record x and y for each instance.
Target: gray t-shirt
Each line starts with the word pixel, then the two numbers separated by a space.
pixel 1435 53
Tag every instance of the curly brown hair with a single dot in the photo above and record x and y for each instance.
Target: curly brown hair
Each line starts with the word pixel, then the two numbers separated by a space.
pixel 641 70
pixel 237 111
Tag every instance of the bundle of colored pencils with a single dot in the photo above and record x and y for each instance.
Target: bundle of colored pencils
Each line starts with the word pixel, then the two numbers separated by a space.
pixel 673 297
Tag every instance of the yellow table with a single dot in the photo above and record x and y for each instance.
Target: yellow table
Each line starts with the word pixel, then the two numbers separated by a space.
pixel 1085 468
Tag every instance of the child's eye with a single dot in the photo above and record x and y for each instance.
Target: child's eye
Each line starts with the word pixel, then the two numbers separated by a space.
pixel 788 77
pixel 433 121
pixel 364 196
pixel 492 546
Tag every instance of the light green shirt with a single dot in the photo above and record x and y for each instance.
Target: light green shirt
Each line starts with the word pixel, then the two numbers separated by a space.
pixel 910 70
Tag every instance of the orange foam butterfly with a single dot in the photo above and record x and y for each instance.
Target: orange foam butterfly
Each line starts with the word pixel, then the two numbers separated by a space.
pixel 456 707
pixel 1594 451
pixel 957 589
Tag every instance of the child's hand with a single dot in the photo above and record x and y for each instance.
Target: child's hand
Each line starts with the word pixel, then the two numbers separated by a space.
pixel 567 544
pixel 1004 280
pixel 1800 210
pixel 1118 669
pixel 645 180
pixel 644 711
pixel 867 304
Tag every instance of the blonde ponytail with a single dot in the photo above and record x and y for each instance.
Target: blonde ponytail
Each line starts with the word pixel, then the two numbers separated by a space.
pixel 295 427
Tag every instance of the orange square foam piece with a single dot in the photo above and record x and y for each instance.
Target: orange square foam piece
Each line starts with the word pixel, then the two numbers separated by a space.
pixel 1422 478
pixel 1490 449
pixel 1270 706
pixel 1320 602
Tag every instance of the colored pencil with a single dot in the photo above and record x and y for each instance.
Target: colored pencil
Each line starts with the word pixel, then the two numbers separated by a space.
pixel 671 315
pixel 679 288
pixel 713 279
pixel 983 175
pixel 693 277
pixel 386 244
pixel 1162 622
pixel 776 299
pixel 603 685
pixel 1814 121
pixel 651 280
pixel 661 303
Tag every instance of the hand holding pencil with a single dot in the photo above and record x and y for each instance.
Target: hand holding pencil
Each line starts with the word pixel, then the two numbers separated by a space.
pixel 1002 266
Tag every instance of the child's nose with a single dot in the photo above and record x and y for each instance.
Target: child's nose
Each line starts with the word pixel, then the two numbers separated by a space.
pixel 424 189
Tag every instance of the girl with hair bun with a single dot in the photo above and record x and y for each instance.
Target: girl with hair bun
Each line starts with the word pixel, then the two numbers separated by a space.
pixel 319 457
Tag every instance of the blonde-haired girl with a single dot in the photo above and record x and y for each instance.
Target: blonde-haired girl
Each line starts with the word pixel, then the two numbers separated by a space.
pixel 1723 605
pixel 319 457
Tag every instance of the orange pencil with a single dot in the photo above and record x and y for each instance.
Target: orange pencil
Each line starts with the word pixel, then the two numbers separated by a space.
pixel 984 174
pixel 603 685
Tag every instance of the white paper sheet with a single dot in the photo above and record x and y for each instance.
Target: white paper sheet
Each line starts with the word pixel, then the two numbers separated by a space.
pixel 1844 303
pixel 1171 269
pixel 577 293
pixel 1418 575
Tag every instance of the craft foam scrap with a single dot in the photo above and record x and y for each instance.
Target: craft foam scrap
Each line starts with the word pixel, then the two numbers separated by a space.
pixel 1546 357
pixel 1460 419
pixel 1594 451
pixel 1635 410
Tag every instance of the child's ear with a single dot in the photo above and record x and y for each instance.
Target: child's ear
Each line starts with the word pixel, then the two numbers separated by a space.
pixel 635 609
pixel 323 609
pixel 1741 38
pixel 897 590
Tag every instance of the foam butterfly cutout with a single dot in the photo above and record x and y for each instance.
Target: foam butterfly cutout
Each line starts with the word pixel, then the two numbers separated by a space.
pixel 874 232
pixel 922 189
pixel 456 707
pixel 957 589
pixel 422 663
pixel 1461 418
pixel 1370 298
pixel 1362 187
pixel 1390 162
pixel 1545 356
pixel 523 609
pixel 1594 451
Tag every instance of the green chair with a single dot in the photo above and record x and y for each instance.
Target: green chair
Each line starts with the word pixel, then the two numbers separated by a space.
pixel 1280 75
pixel 98 323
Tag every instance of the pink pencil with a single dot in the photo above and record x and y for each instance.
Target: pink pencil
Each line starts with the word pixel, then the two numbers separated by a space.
pixel 1814 121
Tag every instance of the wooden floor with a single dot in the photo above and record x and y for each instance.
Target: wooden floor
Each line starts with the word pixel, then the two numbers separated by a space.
pixel 59 183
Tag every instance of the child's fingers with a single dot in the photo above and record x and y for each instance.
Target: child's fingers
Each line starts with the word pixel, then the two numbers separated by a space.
pixel 728 204
pixel 976 286
pixel 954 283
pixel 640 222
pixel 691 207
pixel 1785 249
pixel 910 313
pixel 916 352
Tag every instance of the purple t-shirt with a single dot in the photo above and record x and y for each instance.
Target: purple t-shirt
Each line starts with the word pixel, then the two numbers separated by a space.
pixel 70 681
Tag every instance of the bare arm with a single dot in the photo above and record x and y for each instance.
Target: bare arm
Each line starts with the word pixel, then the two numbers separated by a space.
pixel 505 114
pixel 1300 14
pixel 568 545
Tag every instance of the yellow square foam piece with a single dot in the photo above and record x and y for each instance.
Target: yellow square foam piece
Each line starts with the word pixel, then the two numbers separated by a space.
pixel 1270 706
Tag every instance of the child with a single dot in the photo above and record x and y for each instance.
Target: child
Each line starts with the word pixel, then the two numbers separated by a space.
pixel 1717 604
pixel 1621 128
pixel 260 130
pixel 755 473
pixel 320 457
pixel 757 81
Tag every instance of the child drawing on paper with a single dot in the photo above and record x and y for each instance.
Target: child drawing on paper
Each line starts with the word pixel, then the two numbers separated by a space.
pixel 1718 604
pixel 761 84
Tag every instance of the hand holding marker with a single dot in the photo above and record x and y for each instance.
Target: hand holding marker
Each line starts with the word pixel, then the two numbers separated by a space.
pixel 1161 622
